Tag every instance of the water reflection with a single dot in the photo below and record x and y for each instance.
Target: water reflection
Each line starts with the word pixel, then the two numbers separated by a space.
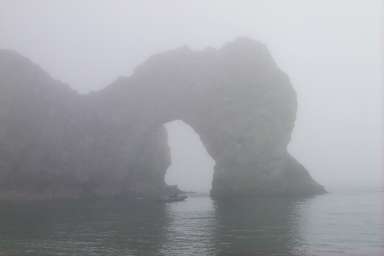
pixel 257 227
pixel 191 228
pixel 111 227
pixel 335 224
pixel 197 226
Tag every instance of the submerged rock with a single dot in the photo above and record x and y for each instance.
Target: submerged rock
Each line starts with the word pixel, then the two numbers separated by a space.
pixel 57 143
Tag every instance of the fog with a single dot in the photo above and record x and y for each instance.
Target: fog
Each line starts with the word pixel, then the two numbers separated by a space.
pixel 331 50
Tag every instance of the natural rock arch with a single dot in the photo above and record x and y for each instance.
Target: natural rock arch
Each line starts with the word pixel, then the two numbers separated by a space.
pixel 113 142
pixel 239 102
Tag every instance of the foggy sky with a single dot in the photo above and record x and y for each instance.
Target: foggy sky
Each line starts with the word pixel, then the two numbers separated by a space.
pixel 331 50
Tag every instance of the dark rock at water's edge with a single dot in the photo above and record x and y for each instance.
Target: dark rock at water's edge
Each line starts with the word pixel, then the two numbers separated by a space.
pixel 56 143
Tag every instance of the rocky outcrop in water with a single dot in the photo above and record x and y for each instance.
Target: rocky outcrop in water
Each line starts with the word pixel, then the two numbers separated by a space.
pixel 57 143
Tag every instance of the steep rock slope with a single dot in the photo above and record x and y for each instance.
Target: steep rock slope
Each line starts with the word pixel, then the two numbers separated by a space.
pixel 54 143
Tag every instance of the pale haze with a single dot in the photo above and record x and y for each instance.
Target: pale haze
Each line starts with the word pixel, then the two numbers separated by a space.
pixel 331 50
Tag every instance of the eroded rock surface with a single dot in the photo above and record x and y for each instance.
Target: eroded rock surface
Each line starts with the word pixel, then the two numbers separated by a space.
pixel 57 143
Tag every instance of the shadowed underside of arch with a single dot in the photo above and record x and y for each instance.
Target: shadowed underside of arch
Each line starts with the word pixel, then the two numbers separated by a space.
pixel 113 141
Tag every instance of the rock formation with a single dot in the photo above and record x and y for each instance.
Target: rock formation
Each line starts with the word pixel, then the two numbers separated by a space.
pixel 57 143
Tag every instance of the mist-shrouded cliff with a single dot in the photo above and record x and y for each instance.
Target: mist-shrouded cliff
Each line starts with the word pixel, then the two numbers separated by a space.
pixel 57 143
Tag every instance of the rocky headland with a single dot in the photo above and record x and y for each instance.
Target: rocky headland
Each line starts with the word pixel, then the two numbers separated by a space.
pixel 57 143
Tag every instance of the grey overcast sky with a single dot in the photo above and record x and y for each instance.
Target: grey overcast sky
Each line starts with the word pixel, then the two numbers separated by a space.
pixel 331 49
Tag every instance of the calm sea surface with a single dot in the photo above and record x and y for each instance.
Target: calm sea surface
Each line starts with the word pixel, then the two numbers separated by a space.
pixel 332 224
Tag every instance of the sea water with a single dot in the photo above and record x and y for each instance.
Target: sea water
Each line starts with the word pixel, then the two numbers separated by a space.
pixel 339 223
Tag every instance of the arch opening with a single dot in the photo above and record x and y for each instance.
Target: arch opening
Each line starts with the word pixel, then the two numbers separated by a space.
pixel 191 166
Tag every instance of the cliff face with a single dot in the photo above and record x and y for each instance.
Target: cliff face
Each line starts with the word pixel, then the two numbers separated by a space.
pixel 34 111
pixel 58 143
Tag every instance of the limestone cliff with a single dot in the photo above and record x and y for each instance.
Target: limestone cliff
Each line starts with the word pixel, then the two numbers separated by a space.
pixel 56 142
